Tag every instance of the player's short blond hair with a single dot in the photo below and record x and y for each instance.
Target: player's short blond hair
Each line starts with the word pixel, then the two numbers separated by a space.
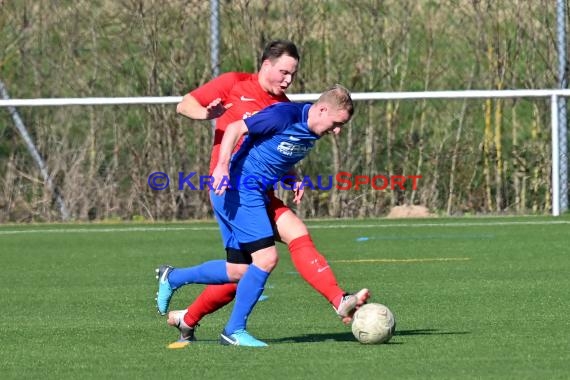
pixel 338 96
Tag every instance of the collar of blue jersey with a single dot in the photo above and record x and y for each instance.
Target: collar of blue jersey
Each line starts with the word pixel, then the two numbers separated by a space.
pixel 306 107
pixel 305 119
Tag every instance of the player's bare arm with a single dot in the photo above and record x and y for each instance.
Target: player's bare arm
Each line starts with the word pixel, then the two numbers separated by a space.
pixel 233 134
pixel 292 180
pixel 191 108
pixel 299 191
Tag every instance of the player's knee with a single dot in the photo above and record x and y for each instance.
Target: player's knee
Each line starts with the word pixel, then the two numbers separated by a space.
pixel 266 259
pixel 272 262
pixel 235 271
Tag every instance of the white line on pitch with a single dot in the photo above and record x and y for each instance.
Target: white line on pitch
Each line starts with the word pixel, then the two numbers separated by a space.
pixel 313 227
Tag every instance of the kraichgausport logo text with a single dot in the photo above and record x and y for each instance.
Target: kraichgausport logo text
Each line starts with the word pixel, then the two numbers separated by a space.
pixel 342 181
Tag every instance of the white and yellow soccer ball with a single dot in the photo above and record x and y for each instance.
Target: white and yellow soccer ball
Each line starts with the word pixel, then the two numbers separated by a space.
pixel 373 323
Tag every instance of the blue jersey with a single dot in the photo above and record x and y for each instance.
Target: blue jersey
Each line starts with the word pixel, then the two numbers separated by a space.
pixel 278 137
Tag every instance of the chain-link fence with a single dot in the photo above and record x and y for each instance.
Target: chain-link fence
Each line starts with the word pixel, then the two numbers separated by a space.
pixel 474 156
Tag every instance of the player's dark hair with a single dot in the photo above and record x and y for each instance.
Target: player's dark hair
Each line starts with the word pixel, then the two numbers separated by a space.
pixel 277 48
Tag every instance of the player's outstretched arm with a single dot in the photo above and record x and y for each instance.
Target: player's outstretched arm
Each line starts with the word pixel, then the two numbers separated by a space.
pixel 191 108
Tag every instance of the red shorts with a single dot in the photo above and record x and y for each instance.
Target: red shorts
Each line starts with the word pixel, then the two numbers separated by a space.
pixel 276 206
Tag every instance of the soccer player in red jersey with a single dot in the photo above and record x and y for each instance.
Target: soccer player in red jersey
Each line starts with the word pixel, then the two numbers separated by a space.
pixel 233 96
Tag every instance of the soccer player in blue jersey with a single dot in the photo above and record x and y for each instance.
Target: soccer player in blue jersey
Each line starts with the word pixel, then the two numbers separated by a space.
pixel 278 137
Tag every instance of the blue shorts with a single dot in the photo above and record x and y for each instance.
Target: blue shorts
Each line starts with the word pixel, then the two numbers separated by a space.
pixel 243 219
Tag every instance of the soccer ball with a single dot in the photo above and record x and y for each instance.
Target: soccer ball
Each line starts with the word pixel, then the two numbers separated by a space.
pixel 373 323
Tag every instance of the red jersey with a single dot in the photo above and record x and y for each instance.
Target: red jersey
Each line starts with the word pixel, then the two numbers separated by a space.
pixel 245 94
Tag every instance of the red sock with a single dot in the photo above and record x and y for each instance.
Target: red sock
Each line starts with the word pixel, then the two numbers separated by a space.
pixel 314 269
pixel 212 298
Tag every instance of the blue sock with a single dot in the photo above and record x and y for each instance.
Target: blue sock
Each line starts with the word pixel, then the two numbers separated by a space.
pixel 210 272
pixel 248 291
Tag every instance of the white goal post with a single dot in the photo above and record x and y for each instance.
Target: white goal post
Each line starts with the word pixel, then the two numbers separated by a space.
pixel 559 132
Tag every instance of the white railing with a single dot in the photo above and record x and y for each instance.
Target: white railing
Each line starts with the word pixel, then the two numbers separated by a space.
pixel 295 97
pixel 559 141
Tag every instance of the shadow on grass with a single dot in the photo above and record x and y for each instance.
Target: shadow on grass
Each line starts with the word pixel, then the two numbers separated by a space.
pixel 429 332
pixel 348 337
pixel 342 337
pixel 337 337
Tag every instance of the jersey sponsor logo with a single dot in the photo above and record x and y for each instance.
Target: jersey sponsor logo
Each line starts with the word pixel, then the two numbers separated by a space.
pixel 289 149
pixel 244 99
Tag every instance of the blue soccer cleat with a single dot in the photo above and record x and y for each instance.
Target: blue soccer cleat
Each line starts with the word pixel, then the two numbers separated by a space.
pixel 240 338
pixel 165 291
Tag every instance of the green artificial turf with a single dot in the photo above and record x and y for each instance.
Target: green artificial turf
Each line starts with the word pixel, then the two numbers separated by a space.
pixel 473 298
